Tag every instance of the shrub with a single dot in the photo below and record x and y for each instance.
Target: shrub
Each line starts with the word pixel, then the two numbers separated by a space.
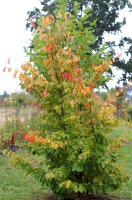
pixel 79 156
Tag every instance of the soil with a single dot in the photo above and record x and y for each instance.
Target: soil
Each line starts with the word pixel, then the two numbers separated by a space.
pixel 103 197
pixel 129 142
pixel 14 148
pixel 94 197
pixel 1 154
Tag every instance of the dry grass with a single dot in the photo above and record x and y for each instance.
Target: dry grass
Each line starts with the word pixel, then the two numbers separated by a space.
pixel 9 114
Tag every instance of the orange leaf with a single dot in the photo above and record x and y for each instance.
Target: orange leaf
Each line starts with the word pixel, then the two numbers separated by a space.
pixel 24 67
pixel 117 94
pixel 71 37
pixel 86 91
pixel 15 73
pixel 9 69
pixel 87 105
pixel 44 93
pixel 47 62
pixel 48 47
pixel 21 76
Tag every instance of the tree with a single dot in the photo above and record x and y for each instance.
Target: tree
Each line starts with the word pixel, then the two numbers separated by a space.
pixel 105 12
pixel 79 155
pixel 5 94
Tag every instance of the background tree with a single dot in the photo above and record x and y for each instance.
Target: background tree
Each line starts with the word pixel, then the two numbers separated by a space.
pixel 105 12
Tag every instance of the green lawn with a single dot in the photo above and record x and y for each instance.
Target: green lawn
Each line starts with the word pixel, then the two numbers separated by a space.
pixel 126 161
pixel 16 185
pixel 124 131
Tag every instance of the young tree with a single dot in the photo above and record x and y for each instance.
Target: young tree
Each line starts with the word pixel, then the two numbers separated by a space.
pixel 79 156
pixel 105 12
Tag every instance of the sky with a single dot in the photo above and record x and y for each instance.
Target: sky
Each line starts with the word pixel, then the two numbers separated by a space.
pixel 14 36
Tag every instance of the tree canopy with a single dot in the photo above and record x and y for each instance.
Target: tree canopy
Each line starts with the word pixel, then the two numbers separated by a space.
pixel 78 155
pixel 105 13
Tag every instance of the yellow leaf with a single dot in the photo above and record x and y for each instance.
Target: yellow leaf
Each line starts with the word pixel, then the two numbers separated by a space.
pixel 49 176
pixel 68 183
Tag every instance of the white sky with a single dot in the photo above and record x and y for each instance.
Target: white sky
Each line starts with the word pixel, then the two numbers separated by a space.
pixel 14 36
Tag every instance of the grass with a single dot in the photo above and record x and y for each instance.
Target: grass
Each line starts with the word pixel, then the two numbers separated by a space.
pixel 123 131
pixel 126 159
pixel 16 185
pixel 127 162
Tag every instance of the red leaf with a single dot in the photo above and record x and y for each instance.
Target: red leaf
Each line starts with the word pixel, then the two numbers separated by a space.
pixel 32 24
pixel 32 138
pixel 68 76
pixel 73 77
pixel 26 137
pixel 63 75
pixel 4 69
pixel 91 86
pixel 39 106
pixel 12 138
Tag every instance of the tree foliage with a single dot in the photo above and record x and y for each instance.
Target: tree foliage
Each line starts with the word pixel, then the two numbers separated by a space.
pixel 79 156
pixel 105 12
